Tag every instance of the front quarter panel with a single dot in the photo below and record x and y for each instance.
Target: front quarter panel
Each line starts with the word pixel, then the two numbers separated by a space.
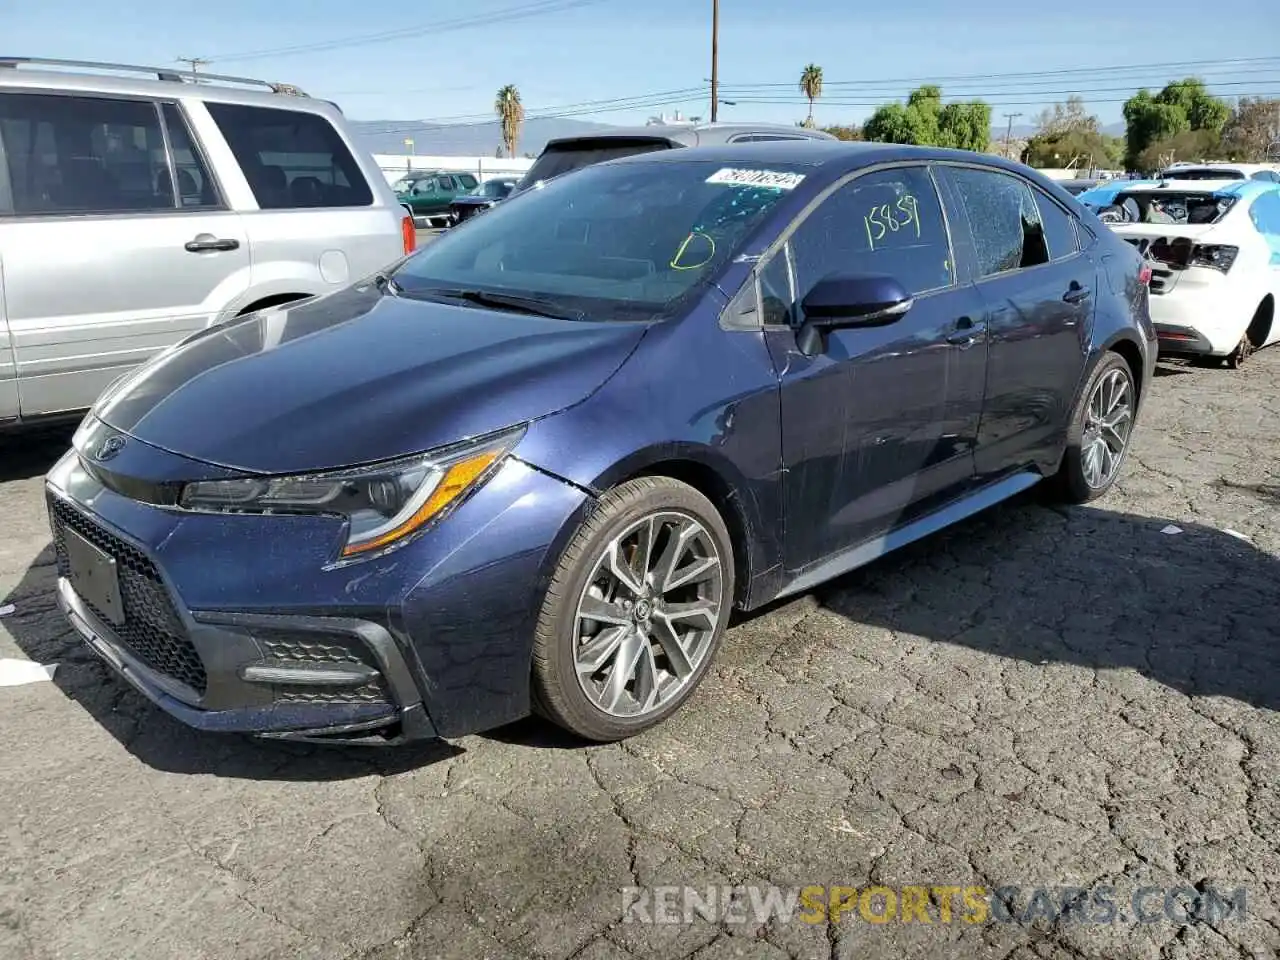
pixel 694 401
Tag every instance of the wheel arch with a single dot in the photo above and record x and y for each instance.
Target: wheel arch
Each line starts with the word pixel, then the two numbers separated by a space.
pixel 715 478
pixel 1260 327
pixel 1131 353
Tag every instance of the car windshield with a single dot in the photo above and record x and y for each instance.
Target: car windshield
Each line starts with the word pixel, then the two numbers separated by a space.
pixel 1203 173
pixel 614 242
pixel 493 189
pixel 1166 207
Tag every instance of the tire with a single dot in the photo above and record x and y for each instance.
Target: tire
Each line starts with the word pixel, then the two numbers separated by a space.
pixel 1076 480
pixel 661 682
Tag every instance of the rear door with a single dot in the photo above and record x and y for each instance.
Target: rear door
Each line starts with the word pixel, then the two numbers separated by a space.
pixel 1039 290
pixel 105 263
pixel 319 223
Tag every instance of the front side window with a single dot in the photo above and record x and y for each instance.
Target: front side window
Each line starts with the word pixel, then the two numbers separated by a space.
pixel 1008 233
pixel 290 159
pixel 632 241
pixel 887 222
pixel 84 155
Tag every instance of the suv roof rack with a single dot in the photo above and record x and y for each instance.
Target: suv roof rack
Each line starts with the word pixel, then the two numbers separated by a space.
pixel 160 73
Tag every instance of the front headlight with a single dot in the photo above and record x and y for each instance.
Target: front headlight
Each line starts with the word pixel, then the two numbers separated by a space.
pixel 384 504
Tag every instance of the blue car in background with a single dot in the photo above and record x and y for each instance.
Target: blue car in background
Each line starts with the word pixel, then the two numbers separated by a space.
pixel 536 465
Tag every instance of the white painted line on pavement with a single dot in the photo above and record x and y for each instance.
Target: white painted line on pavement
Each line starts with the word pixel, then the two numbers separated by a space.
pixel 15 673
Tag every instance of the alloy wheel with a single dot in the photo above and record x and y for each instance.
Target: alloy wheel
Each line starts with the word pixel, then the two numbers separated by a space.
pixel 1108 421
pixel 647 617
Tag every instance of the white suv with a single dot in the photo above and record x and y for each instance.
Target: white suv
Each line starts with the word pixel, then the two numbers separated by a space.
pixel 1214 250
pixel 103 262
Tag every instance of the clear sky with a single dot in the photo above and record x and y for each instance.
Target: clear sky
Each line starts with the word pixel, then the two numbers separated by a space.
pixel 444 61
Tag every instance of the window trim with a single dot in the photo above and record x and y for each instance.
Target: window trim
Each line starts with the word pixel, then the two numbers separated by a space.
pixel 199 153
pixel 1000 171
pixel 375 201
pixel 7 212
pixel 783 240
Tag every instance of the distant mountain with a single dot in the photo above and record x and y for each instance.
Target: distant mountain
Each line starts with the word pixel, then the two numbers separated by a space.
pixel 463 139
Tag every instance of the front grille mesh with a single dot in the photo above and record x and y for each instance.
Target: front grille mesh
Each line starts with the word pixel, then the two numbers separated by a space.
pixel 286 648
pixel 152 630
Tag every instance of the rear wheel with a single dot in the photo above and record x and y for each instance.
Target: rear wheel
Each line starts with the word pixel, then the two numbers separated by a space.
pixel 635 611
pixel 1098 437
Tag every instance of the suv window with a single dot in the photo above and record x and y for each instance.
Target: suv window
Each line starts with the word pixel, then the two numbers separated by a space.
pixel 291 159
pixel 561 158
pixel 84 155
pixel 885 222
pixel 195 186
pixel 1007 231
pixel 468 181
pixel 446 183
pixel 1059 231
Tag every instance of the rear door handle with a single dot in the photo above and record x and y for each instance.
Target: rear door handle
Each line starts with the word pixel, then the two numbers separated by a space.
pixel 207 242
pixel 966 332
pixel 1076 293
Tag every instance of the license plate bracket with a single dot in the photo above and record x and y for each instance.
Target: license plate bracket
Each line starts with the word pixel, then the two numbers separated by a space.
pixel 94 576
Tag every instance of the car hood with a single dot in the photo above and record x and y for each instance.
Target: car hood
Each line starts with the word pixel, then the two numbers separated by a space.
pixel 359 376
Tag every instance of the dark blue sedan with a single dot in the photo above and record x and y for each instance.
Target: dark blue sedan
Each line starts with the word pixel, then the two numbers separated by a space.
pixel 536 465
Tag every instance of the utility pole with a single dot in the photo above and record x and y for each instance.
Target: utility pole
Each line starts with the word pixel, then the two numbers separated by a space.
pixel 1008 133
pixel 715 58
pixel 195 63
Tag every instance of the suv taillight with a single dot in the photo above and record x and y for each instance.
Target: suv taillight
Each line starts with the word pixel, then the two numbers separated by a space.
pixel 1216 256
pixel 1144 274
pixel 408 234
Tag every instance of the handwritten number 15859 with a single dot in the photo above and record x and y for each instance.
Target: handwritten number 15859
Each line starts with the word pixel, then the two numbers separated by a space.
pixel 890 218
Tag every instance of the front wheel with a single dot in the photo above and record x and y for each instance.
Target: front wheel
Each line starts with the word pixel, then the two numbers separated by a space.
pixel 1098 436
pixel 635 611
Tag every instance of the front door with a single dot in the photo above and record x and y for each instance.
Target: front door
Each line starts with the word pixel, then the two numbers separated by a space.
pixel 880 426
pixel 1039 291
pixel 105 262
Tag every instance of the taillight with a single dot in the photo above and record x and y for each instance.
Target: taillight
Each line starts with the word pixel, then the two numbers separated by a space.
pixel 408 234
pixel 1144 274
pixel 1216 256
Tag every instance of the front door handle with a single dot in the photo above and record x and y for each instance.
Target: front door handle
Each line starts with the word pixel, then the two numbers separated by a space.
pixel 1076 293
pixel 207 242
pixel 966 332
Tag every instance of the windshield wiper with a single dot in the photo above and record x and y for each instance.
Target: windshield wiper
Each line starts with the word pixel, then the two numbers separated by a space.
pixel 534 306
pixel 387 284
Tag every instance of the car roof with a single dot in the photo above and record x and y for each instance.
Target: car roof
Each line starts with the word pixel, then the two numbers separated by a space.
pixel 838 155
pixel 695 134
pixel 21 74
pixel 1245 168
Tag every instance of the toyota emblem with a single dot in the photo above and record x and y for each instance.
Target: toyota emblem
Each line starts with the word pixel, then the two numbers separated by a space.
pixel 109 448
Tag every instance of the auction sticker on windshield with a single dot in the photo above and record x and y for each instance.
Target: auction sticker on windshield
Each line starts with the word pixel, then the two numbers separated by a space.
pixel 777 179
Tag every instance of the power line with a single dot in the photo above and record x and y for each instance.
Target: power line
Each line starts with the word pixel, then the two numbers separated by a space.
pixel 990 94
pixel 504 15
pixel 990 101
pixel 1111 70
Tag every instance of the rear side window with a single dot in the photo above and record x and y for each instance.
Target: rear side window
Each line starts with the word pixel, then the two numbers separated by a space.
pixel 83 155
pixel 1008 233
pixel 561 158
pixel 1059 231
pixel 196 189
pixel 1265 214
pixel 468 181
pixel 291 160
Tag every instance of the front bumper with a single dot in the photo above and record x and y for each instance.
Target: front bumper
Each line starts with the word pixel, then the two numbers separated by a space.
pixel 234 624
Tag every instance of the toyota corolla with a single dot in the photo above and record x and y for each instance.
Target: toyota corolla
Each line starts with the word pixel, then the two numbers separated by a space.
pixel 536 465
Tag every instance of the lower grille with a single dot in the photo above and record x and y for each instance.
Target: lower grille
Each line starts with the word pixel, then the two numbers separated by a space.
pixel 292 648
pixel 152 629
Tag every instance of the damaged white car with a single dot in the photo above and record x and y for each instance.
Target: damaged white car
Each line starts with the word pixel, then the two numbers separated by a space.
pixel 1214 251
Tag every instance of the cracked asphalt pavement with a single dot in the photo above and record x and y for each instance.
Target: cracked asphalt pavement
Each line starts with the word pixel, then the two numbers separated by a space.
pixel 1039 697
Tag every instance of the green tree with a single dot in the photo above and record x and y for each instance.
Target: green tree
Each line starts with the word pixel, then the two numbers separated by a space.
pixel 1182 106
pixel 1187 145
pixel 510 113
pixel 924 120
pixel 811 87
pixel 842 132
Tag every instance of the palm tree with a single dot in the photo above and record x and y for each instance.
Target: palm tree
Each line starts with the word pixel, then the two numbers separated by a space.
pixel 811 87
pixel 510 112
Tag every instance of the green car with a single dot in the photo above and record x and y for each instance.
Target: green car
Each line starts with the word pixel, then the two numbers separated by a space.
pixel 426 194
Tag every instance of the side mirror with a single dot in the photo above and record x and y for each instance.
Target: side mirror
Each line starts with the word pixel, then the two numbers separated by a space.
pixel 843 300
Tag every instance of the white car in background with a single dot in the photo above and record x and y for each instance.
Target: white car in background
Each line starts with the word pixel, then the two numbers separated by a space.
pixel 1223 170
pixel 1214 251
